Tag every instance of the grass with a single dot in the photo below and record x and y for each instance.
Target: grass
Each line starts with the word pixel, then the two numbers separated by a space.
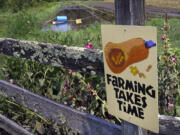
pixel 159 3
pixel 174 34
pixel 9 21
pixel 27 26
pixel 164 3
pixel 3 16
pixel 70 38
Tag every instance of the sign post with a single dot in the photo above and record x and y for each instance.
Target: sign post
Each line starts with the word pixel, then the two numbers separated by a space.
pixel 130 63
pixel 130 12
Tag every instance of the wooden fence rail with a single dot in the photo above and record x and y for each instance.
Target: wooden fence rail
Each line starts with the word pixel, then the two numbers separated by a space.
pixel 11 127
pixel 75 58
pixel 79 121
pixel 81 60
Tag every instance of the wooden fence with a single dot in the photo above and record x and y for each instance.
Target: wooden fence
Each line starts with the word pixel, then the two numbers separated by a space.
pixel 75 58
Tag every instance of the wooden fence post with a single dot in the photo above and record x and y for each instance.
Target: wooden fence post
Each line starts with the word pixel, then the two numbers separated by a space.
pixel 130 12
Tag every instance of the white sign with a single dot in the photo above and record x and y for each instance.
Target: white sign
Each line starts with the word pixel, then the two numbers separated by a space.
pixel 130 63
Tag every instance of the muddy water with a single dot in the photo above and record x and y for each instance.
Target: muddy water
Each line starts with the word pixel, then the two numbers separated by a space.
pixel 88 17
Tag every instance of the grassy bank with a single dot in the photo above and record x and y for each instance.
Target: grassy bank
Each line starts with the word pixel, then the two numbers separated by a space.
pixel 164 3
pixel 159 3
pixel 27 26
pixel 14 24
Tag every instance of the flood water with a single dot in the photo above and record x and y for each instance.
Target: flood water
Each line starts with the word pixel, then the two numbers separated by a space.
pixel 87 16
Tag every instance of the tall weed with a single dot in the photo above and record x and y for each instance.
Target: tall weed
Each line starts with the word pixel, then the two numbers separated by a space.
pixel 21 24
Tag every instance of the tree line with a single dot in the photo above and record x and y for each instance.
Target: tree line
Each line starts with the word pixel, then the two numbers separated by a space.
pixel 18 5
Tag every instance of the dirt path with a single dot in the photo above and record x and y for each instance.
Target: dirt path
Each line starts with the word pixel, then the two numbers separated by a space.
pixel 150 10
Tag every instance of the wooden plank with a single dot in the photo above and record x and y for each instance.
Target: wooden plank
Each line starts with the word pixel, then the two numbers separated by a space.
pixel 79 121
pixel 75 58
pixel 11 127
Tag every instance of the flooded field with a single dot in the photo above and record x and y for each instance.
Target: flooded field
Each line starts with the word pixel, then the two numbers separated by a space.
pixel 79 17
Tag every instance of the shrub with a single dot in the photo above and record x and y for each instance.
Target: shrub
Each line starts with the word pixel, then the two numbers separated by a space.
pixel 21 24
pixel 169 79
pixel 17 5
pixel 2 3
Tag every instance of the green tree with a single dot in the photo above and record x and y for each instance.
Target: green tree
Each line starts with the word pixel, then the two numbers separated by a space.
pixel 19 5
pixel 2 3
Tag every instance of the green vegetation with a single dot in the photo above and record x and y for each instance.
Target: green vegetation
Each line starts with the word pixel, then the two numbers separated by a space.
pixel 164 3
pixel 54 83
pixel 82 92
pixel 27 26
pixel 20 5
pixel 174 33
pixel 169 88
pixel 30 120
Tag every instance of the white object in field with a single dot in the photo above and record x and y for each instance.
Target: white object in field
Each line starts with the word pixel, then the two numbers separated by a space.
pixel 57 22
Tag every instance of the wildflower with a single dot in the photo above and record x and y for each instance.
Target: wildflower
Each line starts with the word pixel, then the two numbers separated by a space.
pixel 162 37
pixel 70 72
pixel 170 59
pixel 72 97
pixel 88 46
pixel 65 103
pixel 67 84
pixel 79 103
pixel 62 90
pixel 174 58
pixel 109 116
pixel 93 92
pixel 84 108
pixel 11 81
pixel 170 104
pixel 90 84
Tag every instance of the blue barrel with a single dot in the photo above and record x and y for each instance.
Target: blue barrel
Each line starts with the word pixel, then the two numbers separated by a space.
pixel 61 18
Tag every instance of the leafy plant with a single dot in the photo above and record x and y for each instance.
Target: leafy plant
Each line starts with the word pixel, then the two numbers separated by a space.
pixel 83 92
pixel 30 120
pixel 169 79
pixel 21 24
